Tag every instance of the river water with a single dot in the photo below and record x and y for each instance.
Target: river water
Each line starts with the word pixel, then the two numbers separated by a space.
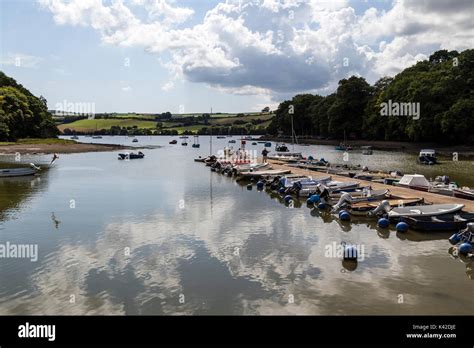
pixel 164 235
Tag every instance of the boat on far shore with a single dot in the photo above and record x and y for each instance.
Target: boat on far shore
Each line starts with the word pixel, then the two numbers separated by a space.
pixel 427 156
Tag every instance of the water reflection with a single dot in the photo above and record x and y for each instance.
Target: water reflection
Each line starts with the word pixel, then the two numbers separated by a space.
pixel 150 237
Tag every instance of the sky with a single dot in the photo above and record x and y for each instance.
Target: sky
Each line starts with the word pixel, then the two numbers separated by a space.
pixel 153 56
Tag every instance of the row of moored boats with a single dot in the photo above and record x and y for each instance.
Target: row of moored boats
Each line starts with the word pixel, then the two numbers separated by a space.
pixel 353 199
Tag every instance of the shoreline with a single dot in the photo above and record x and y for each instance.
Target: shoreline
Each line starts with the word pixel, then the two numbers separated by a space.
pixel 45 148
pixel 463 151
pixel 429 197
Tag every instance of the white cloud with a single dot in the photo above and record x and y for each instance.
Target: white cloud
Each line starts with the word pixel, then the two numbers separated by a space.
pixel 168 86
pixel 20 60
pixel 277 47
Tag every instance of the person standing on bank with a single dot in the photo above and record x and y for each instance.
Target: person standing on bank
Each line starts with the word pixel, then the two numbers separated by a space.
pixel 264 155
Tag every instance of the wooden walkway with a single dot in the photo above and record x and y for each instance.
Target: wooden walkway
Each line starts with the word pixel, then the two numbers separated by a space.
pixel 395 190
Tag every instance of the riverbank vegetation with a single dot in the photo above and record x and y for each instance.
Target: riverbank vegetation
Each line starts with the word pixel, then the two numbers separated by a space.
pixel 441 86
pixel 22 115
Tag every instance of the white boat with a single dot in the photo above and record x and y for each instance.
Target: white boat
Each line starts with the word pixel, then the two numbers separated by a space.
pixel 415 182
pixel 269 172
pixel 290 157
pixel 302 180
pixel 246 167
pixel 425 210
pixel 11 172
pixel 338 186
pixel 346 198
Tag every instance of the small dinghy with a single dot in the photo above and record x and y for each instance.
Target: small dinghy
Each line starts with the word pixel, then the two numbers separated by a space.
pixel 135 140
pixel 464 193
pixel 269 172
pixel 346 198
pixel 339 186
pixel 132 155
pixel 425 210
pixel 363 208
pixel 302 180
pixel 447 222
pixel 174 141
pixel 12 172
pixel 249 167
pixel 307 186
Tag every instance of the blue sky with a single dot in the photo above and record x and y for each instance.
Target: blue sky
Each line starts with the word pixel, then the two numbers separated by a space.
pixel 194 55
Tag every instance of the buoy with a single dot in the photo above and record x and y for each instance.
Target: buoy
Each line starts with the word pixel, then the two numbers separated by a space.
pixel 260 185
pixel 350 252
pixel 288 198
pixel 315 198
pixel 344 215
pixel 454 239
pixel 249 186
pixel 383 223
pixel 282 190
pixel 322 205
pixel 465 248
pixel 402 227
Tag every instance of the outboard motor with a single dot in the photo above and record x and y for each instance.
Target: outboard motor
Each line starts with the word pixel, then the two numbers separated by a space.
pixel 346 198
pixel 384 207
pixel 323 192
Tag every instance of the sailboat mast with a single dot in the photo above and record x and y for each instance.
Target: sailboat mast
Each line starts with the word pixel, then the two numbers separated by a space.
pixel 210 140
pixel 292 133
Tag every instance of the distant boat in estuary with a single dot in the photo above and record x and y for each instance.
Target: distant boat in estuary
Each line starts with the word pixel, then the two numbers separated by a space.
pixel 132 155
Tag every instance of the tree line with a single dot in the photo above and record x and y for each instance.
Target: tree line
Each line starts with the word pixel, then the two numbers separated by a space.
pixel 440 89
pixel 22 115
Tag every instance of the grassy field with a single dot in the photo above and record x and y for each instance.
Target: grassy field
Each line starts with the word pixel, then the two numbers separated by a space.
pixel 130 120
pixel 92 125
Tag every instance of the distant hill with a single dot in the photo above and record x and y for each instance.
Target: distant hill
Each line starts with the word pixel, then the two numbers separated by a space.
pixel 22 115
pixel 166 123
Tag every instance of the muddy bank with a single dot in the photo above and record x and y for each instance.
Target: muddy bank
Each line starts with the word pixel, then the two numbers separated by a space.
pixel 33 149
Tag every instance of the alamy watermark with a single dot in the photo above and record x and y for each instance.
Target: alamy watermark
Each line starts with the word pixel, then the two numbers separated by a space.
pixel 67 108
pixel 20 251
pixel 345 251
pixel 392 108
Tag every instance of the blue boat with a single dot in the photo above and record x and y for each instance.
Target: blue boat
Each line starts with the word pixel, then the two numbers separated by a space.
pixel 448 222
pixel 268 144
